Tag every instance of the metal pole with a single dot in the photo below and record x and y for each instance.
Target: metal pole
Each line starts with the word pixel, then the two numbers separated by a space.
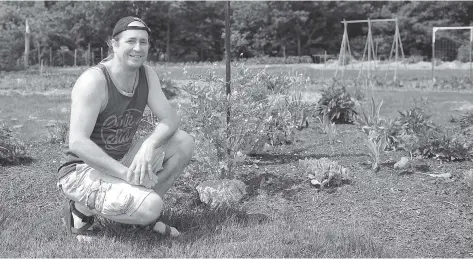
pixel 369 48
pixel 470 54
pixel 227 80
pixel 433 53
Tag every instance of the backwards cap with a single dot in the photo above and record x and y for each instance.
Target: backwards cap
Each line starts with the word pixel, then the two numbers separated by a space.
pixel 123 25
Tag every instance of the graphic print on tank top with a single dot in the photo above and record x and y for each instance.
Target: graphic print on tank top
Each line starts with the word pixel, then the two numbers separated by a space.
pixel 117 132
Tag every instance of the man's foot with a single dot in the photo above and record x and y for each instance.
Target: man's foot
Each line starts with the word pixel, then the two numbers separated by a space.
pixel 76 222
pixel 165 230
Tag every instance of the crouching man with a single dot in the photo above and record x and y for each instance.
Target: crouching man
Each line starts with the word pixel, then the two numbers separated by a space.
pixel 103 172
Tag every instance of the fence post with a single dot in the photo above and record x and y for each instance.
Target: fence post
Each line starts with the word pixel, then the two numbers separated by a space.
pixel 101 53
pixel 39 51
pixel 41 67
pixel 75 57
pixel 50 57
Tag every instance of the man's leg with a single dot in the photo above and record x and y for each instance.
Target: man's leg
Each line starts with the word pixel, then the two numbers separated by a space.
pixel 96 193
pixel 178 152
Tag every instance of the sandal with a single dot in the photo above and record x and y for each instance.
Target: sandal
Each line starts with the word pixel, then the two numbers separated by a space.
pixel 151 227
pixel 70 208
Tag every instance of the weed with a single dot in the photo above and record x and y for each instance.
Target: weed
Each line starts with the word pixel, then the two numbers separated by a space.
pixel 57 134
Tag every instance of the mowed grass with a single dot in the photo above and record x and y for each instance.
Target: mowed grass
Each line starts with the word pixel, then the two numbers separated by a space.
pixel 31 225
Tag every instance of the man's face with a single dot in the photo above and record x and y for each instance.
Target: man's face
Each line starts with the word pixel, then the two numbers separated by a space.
pixel 132 47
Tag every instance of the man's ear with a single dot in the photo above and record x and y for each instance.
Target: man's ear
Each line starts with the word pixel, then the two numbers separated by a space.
pixel 114 43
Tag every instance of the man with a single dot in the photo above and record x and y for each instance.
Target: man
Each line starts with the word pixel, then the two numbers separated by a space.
pixel 103 172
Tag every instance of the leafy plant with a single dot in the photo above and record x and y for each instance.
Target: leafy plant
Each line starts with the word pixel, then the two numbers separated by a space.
pixel 376 131
pixel 444 145
pixel 259 115
pixel 327 172
pixel 57 133
pixel 337 103
pixel 328 127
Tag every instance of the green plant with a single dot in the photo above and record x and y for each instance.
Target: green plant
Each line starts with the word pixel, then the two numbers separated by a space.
pixel 376 131
pixel 444 145
pixel 328 127
pixel 259 114
pixel 327 172
pixel 337 103
pixel 57 134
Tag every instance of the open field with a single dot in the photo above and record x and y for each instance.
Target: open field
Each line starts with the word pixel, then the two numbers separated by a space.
pixel 391 213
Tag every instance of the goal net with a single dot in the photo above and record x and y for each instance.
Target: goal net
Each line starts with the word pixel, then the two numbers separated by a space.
pixel 452 49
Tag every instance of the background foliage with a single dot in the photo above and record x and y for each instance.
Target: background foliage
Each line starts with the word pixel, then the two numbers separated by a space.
pixel 193 31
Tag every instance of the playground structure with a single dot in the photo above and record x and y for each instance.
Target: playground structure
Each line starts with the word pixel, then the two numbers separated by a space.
pixel 369 48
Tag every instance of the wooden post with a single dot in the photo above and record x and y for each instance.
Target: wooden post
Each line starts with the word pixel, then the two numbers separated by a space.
pixel 41 68
pixel 27 45
pixel 396 48
pixel 343 50
pixel 325 57
pixel 50 57
pixel 39 51
pixel 101 53
pixel 75 57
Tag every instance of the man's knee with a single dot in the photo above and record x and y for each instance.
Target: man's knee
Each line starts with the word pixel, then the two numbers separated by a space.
pixel 150 209
pixel 186 144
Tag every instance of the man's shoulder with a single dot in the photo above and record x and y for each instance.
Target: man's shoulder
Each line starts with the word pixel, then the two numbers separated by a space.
pixel 91 81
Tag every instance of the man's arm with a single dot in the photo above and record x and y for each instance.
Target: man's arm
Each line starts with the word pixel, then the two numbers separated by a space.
pixel 87 97
pixel 169 120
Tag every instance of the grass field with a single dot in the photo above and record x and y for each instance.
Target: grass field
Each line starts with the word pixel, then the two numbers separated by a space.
pixel 384 214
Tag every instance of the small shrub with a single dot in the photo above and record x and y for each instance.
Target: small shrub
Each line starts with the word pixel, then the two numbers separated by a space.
pixel 444 145
pixel 336 102
pixel 259 115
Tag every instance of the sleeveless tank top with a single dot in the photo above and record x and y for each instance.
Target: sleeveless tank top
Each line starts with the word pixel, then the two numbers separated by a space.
pixel 116 125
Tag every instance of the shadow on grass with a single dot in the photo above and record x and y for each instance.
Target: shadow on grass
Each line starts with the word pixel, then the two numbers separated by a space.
pixel 194 224
pixel 271 183
pixel 20 161
pixel 278 159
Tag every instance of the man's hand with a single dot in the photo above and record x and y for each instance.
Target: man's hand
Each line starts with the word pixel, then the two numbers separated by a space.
pixel 141 171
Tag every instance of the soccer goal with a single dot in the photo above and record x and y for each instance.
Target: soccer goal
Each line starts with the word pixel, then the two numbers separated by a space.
pixel 452 50
pixel 363 55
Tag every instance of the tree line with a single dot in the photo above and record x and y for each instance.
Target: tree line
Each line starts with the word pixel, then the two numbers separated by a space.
pixel 194 31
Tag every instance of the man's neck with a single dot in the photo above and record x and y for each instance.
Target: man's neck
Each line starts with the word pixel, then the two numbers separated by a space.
pixel 121 71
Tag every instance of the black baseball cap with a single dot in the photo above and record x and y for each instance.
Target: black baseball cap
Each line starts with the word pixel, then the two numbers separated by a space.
pixel 123 25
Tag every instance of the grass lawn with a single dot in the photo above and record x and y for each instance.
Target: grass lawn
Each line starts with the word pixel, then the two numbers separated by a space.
pixel 385 214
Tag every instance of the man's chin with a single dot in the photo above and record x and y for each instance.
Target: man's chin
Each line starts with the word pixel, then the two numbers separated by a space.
pixel 135 64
